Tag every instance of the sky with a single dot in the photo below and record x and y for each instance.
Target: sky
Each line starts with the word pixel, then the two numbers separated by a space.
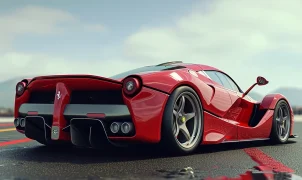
pixel 244 38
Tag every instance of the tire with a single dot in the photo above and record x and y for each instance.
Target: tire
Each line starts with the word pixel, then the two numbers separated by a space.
pixel 277 136
pixel 172 142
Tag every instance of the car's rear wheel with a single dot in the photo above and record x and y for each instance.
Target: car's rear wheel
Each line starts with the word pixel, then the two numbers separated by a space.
pixel 281 123
pixel 182 124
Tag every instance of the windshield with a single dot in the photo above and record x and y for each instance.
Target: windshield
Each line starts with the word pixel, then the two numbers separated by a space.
pixel 145 69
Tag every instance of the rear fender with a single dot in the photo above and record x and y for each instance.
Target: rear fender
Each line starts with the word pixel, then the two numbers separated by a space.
pixel 168 81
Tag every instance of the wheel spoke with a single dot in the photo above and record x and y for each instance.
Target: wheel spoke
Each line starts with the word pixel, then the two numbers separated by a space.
pixel 176 107
pixel 182 104
pixel 175 113
pixel 285 117
pixel 280 112
pixel 278 120
pixel 283 131
pixel 176 131
pixel 183 128
pixel 189 116
pixel 280 130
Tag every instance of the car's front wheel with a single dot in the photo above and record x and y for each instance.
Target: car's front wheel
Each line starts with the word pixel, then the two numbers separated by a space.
pixel 281 123
pixel 182 124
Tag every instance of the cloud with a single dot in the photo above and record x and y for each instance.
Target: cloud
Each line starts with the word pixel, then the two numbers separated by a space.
pixel 95 28
pixel 228 34
pixel 22 64
pixel 38 20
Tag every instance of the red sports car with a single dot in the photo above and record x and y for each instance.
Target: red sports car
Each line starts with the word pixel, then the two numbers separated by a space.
pixel 176 104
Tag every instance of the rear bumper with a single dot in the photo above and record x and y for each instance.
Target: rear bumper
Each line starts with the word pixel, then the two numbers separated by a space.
pixel 63 122
pixel 104 111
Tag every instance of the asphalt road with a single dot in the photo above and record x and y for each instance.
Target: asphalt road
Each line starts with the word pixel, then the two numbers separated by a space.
pixel 20 158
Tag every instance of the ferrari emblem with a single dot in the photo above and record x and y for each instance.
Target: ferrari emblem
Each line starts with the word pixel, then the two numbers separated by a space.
pixel 58 95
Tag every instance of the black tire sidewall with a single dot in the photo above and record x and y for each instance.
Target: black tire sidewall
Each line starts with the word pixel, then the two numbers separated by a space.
pixel 167 137
pixel 274 134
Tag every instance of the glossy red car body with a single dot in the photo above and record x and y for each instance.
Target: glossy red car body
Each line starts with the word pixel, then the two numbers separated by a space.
pixel 226 113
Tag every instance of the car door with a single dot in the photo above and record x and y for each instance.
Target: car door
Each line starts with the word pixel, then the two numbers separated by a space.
pixel 235 93
pixel 224 128
pixel 221 101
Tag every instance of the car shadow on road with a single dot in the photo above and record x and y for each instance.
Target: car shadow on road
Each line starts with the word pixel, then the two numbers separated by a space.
pixel 89 156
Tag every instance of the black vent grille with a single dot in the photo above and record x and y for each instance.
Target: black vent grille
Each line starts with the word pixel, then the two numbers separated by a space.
pixel 79 97
pixel 42 97
pixel 97 97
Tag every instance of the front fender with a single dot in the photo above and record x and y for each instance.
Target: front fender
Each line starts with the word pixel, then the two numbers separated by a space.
pixel 270 101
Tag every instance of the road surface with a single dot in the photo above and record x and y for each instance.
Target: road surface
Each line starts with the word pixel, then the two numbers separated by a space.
pixel 22 158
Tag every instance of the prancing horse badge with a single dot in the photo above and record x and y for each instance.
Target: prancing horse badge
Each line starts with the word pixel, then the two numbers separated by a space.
pixel 58 95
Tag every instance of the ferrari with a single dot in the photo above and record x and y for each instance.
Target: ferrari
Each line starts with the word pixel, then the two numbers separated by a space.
pixel 175 104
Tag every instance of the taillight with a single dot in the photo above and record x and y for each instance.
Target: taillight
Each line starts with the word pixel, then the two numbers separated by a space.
pixel 20 88
pixel 131 86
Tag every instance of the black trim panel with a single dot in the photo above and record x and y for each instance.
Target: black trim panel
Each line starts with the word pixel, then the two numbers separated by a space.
pixel 89 132
pixel 257 115
pixel 156 89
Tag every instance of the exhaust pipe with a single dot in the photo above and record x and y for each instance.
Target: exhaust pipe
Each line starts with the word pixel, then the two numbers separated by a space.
pixel 22 122
pixel 127 127
pixel 115 127
pixel 16 122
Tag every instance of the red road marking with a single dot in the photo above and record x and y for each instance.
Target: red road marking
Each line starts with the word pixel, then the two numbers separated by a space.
pixel 18 141
pixel 6 124
pixel 266 161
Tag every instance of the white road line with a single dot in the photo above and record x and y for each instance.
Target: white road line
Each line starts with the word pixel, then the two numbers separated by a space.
pixel 6 119
pixel 298 118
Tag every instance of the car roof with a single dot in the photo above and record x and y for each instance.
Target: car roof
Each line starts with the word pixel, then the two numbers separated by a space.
pixel 195 67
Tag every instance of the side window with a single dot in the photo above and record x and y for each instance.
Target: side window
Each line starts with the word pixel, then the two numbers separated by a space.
pixel 228 82
pixel 214 77
pixel 224 80
pixel 235 87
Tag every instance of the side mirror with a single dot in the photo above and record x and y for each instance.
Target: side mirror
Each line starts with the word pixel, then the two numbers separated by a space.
pixel 261 81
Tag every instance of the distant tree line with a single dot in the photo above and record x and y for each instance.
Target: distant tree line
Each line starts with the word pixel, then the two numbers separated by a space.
pixel 8 112
pixel 297 110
